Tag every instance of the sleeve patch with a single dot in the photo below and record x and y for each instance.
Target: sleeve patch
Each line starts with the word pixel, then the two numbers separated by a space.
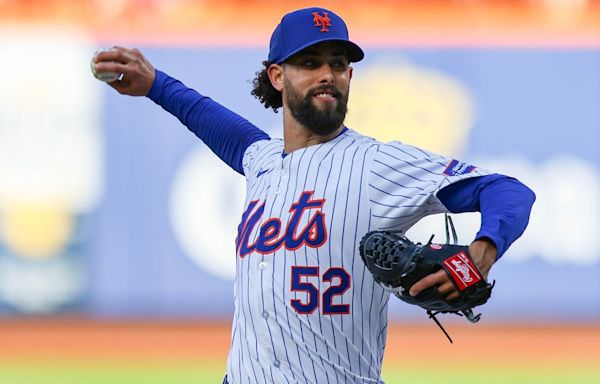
pixel 456 168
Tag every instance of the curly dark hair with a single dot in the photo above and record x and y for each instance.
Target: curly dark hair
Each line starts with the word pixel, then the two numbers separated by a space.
pixel 264 91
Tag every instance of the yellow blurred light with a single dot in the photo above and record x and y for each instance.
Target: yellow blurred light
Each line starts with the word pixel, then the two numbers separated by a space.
pixel 36 231
pixel 414 105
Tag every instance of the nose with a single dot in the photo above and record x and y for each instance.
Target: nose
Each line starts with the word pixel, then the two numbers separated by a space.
pixel 326 74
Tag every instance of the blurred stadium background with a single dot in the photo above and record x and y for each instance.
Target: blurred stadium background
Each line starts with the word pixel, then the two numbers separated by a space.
pixel 117 224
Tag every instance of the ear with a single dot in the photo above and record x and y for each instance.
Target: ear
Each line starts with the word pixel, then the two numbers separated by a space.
pixel 350 70
pixel 275 73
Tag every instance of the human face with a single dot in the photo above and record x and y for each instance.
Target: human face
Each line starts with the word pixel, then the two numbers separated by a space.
pixel 316 86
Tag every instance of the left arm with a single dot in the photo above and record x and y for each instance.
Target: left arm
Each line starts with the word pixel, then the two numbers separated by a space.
pixel 505 205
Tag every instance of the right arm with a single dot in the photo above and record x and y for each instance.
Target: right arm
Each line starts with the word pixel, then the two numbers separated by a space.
pixel 227 134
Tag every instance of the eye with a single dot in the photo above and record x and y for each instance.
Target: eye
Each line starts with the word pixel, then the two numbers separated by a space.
pixel 340 64
pixel 310 63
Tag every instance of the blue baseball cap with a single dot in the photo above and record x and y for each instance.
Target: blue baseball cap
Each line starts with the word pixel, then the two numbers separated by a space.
pixel 305 27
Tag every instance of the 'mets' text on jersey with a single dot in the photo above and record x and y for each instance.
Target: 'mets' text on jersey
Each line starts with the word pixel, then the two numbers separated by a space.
pixel 272 235
pixel 306 308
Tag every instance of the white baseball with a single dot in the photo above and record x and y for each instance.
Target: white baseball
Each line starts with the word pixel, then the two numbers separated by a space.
pixel 103 76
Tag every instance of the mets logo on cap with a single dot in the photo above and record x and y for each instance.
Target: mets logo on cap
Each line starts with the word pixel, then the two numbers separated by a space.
pixel 305 27
pixel 322 21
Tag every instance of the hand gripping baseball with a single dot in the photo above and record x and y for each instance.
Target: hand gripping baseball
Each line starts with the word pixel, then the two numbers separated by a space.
pixel 137 72
pixel 397 263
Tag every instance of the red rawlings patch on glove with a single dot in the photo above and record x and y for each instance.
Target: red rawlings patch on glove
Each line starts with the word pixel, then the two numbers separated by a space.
pixel 462 270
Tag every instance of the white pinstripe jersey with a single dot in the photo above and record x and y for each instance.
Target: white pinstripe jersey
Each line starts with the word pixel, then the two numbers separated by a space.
pixel 306 308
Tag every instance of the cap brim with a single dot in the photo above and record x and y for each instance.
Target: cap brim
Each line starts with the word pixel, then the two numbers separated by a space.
pixel 355 53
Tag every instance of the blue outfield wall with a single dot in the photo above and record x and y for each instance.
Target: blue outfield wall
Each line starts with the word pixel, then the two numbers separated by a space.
pixel 160 243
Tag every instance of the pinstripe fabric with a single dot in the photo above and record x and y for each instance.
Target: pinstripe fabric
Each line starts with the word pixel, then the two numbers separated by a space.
pixel 306 308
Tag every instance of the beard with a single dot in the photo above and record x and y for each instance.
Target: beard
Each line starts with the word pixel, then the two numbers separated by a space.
pixel 321 122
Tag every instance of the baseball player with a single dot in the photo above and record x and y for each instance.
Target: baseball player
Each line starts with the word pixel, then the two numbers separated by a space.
pixel 306 308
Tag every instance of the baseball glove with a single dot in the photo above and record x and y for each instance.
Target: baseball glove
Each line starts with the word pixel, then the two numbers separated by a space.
pixel 397 263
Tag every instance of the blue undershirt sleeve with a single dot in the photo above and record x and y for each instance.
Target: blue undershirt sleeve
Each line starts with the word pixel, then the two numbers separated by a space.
pixel 504 202
pixel 227 134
